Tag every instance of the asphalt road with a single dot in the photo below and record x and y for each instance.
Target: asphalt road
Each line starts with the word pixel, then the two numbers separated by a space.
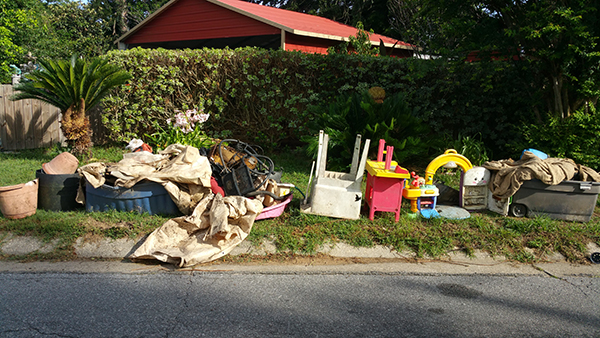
pixel 234 304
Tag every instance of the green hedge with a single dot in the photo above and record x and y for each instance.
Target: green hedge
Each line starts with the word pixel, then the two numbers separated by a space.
pixel 252 94
pixel 262 96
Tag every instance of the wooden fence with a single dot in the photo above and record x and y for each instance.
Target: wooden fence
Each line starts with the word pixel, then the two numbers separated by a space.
pixel 27 124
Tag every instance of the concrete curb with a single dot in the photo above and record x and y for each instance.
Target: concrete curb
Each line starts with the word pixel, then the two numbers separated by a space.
pixel 378 259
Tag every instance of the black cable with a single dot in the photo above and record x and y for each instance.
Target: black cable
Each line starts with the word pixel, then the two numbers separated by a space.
pixel 301 193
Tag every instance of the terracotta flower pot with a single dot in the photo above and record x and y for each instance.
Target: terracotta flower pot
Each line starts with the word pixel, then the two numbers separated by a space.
pixel 19 201
pixel 62 164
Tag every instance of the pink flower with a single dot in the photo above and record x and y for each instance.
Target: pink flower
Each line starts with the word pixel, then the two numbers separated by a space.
pixel 186 122
pixel 203 117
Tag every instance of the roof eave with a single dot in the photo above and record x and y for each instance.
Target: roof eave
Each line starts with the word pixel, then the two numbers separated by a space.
pixel 342 38
pixel 299 32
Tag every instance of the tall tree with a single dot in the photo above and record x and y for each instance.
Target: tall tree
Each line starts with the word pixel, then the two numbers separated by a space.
pixel 558 39
pixel 73 28
pixel 16 18
pixel 119 16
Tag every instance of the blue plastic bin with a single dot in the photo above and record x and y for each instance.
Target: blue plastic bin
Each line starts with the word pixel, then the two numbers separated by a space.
pixel 143 197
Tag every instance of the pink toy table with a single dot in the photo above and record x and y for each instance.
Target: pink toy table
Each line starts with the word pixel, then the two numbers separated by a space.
pixel 384 187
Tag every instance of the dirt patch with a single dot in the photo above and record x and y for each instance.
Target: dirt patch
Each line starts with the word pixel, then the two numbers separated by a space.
pixel 92 223
pixel 290 259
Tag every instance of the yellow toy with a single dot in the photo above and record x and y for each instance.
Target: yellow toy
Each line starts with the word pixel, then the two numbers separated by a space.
pixel 422 191
pixel 448 156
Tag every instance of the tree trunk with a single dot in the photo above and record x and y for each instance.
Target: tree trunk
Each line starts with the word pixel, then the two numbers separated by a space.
pixel 557 90
pixel 123 17
pixel 76 128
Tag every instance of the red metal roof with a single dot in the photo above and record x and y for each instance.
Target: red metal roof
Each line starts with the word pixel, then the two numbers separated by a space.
pixel 301 23
pixel 289 21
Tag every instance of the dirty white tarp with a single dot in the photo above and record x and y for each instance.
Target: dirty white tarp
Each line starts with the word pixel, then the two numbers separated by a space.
pixel 183 172
pixel 509 175
pixel 213 224
pixel 217 225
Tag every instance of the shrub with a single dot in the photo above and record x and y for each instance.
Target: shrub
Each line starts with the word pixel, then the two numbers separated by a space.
pixel 263 96
pixel 576 137
pixel 358 113
pixel 252 94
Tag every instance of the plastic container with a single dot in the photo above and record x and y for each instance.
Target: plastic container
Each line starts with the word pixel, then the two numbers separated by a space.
pixel 569 200
pixel 143 197
pixel 536 152
pixel 274 210
pixel 57 192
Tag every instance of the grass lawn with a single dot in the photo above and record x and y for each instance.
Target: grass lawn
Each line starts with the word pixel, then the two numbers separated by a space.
pixel 520 239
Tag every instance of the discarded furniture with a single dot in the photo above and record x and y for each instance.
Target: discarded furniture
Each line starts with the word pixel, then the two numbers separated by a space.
pixel 476 195
pixel 428 198
pixel 421 197
pixel 336 194
pixel 385 182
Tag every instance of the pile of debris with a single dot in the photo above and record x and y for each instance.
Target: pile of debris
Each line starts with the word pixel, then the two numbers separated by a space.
pixel 219 192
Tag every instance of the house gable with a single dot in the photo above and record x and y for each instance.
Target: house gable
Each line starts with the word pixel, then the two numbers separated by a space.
pixel 198 20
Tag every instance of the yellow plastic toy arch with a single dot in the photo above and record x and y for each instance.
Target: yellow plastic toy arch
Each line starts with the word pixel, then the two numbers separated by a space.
pixel 449 155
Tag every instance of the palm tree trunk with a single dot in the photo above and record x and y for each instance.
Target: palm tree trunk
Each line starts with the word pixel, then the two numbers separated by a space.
pixel 76 128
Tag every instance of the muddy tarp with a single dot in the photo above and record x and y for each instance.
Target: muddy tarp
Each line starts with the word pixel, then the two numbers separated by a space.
pixel 509 175
pixel 212 226
pixel 216 226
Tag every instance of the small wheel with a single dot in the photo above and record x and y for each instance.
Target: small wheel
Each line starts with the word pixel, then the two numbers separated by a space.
pixel 518 210
pixel 595 257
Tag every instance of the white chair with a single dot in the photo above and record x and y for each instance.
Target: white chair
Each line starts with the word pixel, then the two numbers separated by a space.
pixel 336 194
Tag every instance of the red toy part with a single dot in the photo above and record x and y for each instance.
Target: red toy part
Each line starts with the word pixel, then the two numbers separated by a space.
pixel 215 187
pixel 417 182
pixel 144 147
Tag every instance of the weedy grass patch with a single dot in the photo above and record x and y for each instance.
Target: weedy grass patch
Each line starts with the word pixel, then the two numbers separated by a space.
pixel 520 239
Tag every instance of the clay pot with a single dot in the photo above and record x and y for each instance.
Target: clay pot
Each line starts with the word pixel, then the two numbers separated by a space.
pixel 19 201
pixel 62 164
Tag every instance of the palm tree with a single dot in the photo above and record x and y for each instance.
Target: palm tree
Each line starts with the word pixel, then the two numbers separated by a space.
pixel 74 86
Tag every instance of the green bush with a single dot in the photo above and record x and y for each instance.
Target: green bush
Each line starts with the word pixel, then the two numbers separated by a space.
pixel 358 113
pixel 470 147
pixel 252 94
pixel 263 96
pixel 576 137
